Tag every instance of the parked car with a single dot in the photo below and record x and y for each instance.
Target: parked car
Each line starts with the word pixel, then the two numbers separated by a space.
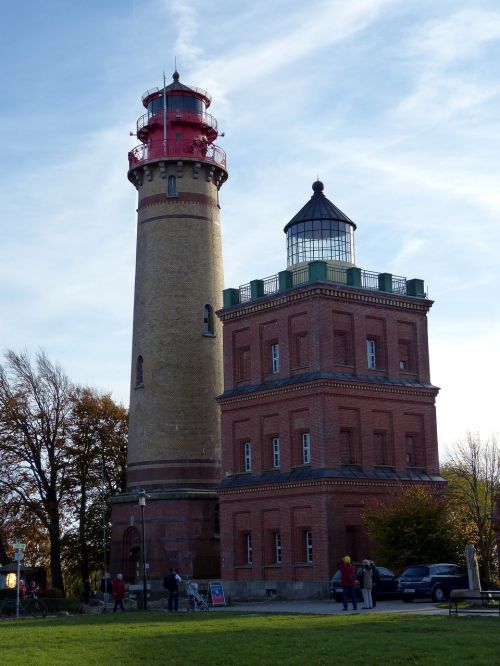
pixel 431 580
pixel 387 586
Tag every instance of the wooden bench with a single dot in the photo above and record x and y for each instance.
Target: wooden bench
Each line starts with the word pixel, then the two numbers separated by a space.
pixel 482 602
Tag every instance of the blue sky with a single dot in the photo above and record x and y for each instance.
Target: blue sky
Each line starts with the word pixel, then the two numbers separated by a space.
pixel 395 105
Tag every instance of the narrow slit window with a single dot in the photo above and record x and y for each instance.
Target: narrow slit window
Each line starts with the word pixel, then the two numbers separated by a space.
pixel 139 371
pixel 276 452
pixel 371 351
pixel 277 548
pixel 172 186
pixel 306 448
pixel 208 320
pixel 247 456
pixel 249 548
pixel 275 358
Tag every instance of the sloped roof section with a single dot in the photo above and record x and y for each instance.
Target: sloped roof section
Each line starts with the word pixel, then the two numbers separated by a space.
pixel 319 208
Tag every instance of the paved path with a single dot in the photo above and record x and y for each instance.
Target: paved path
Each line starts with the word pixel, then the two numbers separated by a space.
pixel 326 607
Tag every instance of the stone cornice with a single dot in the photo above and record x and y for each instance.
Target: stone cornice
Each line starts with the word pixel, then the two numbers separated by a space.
pixel 263 391
pixel 326 483
pixel 320 289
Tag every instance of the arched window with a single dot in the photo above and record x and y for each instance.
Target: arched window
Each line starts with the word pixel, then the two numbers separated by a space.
pixel 172 186
pixel 139 376
pixel 208 320
pixel 131 554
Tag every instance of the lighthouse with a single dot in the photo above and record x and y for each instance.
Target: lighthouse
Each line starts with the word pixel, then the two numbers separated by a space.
pixel 176 365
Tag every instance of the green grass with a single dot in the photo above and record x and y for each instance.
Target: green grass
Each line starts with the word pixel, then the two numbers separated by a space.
pixel 229 638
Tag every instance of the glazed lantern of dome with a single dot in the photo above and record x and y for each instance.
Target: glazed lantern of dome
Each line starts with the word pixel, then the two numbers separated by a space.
pixel 320 232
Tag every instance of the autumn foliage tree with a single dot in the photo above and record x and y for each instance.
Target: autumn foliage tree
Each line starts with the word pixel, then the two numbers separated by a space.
pixel 472 470
pixel 415 528
pixel 97 454
pixel 62 453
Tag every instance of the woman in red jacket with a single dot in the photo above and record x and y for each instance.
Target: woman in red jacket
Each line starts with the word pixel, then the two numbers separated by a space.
pixel 348 582
pixel 118 592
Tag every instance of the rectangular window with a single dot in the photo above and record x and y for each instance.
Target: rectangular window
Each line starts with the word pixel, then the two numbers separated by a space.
pixel 309 546
pixel 414 453
pixel 380 448
pixel 276 452
pixel 277 548
pixel 249 548
pixel 247 456
pixel 306 448
pixel 275 358
pixel 242 363
pixel 371 352
pixel 347 454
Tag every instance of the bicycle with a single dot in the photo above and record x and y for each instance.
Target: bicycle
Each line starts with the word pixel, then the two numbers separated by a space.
pixel 34 607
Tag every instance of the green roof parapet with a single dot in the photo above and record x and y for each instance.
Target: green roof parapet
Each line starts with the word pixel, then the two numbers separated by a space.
pixel 322 271
pixel 354 276
pixel 317 271
pixel 285 280
pixel 230 297
pixel 415 287
pixel 385 282
pixel 256 288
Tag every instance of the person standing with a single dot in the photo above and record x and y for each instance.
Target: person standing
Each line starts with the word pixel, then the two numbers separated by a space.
pixel 366 584
pixel 375 580
pixel 348 582
pixel 118 592
pixel 171 583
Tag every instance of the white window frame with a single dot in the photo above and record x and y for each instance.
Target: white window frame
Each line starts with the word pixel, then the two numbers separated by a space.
pixel 371 353
pixel 277 548
pixel 247 456
pixel 309 547
pixel 249 548
pixel 306 448
pixel 276 452
pixel 275 358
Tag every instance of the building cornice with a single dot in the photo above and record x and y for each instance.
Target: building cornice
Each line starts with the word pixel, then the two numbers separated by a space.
pixel 315 381
pixel 260 487
pixel 318 289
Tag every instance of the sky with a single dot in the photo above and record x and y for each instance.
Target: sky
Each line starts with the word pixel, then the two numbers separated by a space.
pixel 395 105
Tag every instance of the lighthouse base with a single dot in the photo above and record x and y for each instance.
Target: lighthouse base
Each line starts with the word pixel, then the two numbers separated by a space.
pixel 181 532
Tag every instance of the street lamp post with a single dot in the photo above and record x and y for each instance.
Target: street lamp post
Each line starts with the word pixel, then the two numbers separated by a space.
pixel 142 504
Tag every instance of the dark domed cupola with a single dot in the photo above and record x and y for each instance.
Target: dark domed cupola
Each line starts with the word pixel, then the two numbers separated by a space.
pixel 320 231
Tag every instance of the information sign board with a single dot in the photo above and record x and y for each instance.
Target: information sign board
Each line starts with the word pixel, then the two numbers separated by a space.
pixel 216 593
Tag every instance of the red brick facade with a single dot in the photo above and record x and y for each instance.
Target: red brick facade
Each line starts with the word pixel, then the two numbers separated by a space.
pixel 311 434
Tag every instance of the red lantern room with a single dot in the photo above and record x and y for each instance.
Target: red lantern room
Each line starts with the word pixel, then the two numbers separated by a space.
pixel 176 124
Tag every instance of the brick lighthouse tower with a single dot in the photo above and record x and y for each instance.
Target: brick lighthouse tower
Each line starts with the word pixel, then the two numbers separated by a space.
pixel 174 428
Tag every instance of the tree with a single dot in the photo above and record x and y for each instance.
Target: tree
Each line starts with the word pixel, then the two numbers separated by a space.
pixel 96 469
pixel 416 528
pixel 35 409
pixel 472 470
pixel 62 453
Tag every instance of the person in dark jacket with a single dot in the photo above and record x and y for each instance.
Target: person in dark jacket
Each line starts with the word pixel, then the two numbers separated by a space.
pixel 375 580
pixel 171 583
pixel 348 582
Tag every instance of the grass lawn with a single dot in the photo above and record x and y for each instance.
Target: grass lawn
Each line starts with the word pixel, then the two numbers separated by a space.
pixel 232 638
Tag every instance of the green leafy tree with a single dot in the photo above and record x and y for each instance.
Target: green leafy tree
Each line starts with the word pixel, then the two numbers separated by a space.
pixel 415 528
pixel 472 470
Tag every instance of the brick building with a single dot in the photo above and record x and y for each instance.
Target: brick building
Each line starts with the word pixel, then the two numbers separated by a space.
pixel 327 407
